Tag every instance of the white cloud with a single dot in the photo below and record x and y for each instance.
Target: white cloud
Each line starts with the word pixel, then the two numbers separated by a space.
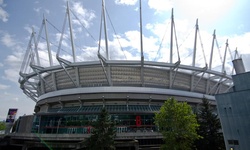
pixel 14 62
pixel 37 9
pixel 11 74
pixel 211 11
pixel 47 11
pixel 8 40
pixel 3 87
pixel 44 57
pixel 131 49
pixel 16 99
pixel 3 14
pixel 13 58
pixel 126 2
pixel 85 16
pixel 160 5
pixel 241 26
pixel 116 53
pixel 241 42
pixel 87 54
pixel 28 28
pixel 133 38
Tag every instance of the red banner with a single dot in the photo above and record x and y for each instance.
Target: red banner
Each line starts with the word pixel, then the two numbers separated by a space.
pixel 138 121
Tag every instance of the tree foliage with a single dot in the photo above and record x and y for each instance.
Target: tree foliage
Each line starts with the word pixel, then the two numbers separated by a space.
pixel 103 134
pixel 2 126
pixel 178 125
pixel 210 128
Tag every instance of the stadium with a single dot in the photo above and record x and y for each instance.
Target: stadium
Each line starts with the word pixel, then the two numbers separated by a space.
pixel 70 95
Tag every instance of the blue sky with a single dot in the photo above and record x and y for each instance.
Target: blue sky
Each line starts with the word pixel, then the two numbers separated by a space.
pixel 17 17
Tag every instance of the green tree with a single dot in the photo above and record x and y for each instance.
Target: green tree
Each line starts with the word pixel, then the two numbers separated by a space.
pixel 2 126
pixel 209 129
pixel 103 134
pixel 178 125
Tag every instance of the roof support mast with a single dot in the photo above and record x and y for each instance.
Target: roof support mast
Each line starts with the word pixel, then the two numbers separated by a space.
pixel 212 51
pixel 47 40
pixel 37 56
pixel 26 59
pixel 107 70
pixel 210 63
pixel 218 85
pixel 224 60
pixel 171 36
pixel 194 53
pixel 171 49
pixel 142 56
pixel 195 42
pixel 36 49
pixel 105 30
pixel 71 34
pixel 49 52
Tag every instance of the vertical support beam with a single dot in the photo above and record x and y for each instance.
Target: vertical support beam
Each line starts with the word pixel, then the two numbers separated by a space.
pixel 195 42
pixel 106 43
pixel 210 63
pixel 194 54
pixel 171 37
pixel 26 59
pixel 100 37
pixel 71 34
pixel 224 60
pixel 141 38
pixel 47 40
pixel 36 50
pixel 171 49
pixel 61 38
pixel 42 90
pixel 142 55
pixel 212 51
pixel 105 30
pixel 77 76
pixel 42 87
pixel 49 53
pixel 109 75
pixel 53 76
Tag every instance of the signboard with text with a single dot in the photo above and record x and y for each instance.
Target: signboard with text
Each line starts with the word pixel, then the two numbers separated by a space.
pixel 11 115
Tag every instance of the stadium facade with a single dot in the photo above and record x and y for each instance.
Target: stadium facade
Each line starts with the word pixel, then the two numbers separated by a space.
pixel 70 95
